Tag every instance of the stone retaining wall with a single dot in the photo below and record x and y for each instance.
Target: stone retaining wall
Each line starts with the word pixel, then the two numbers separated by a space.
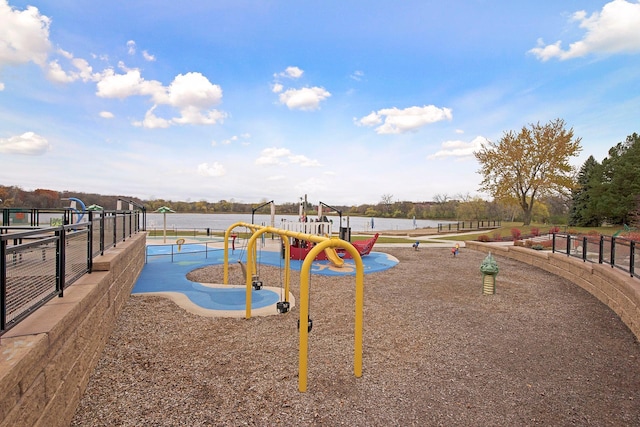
pixel 614 287
pixel 46 360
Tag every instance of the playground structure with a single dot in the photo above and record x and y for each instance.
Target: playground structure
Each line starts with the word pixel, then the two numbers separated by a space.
pixel 299 250
pixel 322 243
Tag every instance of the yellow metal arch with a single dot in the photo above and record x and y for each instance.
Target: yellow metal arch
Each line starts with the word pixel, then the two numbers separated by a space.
pixel 322 244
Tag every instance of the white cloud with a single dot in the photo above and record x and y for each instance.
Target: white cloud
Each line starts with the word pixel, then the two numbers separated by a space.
pixel 131 47
pixel 394 120
pixel 303 161
pixel 369 120
pixel 307 98
pixel 272 156
pixel 114 85
pixel 81 69
pixel 459 149
pixel 357 75
pixel 151 121
pixel 147 56
pixel 215 169
pixel 193 89
pixel 235 138
pixel 106 115
pixel 283 156
pixel 613 30
pixel 290 72
pixel 192 115
pixel 191 93
pixel 29 143
pixel 24 35
pixel 1 86
pixel 312 185
pixel 277 88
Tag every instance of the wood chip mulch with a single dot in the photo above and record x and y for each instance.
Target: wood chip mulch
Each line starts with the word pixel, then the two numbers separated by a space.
pixel 437 352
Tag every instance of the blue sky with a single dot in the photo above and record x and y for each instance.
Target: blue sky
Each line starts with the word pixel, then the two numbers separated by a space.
pixel 345 101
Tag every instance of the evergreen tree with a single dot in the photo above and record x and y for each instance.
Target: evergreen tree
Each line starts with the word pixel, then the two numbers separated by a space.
pixel 581 213
pixel 621 180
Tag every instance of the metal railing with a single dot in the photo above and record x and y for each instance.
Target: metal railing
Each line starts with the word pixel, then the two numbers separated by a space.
pixel 468 226
pixel 174 252
pixel 39 263
pixel 617 252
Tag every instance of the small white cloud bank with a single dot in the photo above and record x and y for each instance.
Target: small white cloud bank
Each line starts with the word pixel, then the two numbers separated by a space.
pixel 28 144
pixel 613 30
pixel 147 56
pixel 459 149
pixel 290 72
pixel 395 121
pixel 211 170
pixel 306 99
pixel 243 139
pixel 106 115
pixel 275 156
pixel 131 47
pixel 357 75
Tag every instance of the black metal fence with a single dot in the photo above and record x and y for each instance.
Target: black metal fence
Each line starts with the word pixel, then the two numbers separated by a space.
pixel 38 262
pixel 468 226
pixel 617 252
pixel 174 252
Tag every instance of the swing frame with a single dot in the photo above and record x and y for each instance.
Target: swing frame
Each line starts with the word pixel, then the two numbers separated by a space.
pixel 305 272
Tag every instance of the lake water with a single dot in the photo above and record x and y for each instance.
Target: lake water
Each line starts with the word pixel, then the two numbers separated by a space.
pixel 220 222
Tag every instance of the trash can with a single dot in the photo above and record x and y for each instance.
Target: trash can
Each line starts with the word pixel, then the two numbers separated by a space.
pixel 345 233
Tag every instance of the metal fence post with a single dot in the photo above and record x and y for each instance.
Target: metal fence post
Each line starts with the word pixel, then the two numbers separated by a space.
pixel 3 285
pixel 632 257
pixel 601 250
pixel 60 261
pixel 613 251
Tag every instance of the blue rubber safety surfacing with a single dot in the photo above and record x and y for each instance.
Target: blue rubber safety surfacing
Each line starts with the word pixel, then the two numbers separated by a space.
pixel 160 274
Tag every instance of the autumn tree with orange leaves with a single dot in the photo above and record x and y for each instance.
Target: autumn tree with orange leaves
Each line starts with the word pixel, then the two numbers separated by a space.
pixel 523 167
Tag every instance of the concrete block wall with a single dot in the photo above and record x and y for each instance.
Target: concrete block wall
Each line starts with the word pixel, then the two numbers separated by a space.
pixel 614 287
pixel 47 359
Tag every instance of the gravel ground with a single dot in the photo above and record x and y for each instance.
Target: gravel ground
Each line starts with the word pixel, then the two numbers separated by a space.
pixel 541 351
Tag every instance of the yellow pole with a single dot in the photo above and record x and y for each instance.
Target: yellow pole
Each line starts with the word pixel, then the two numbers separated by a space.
pixel 227 234
pixel 251 254
pixel 287 263
pixel 304 308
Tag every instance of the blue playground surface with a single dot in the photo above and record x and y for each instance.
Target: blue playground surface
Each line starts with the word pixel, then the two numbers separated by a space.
pixel 160 274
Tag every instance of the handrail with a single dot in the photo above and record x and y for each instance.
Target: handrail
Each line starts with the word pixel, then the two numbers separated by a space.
pixel 617 252
pixel 38 263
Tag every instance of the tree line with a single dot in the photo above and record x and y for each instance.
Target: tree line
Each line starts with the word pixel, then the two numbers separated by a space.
pixel 527 174
pixel 461 207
